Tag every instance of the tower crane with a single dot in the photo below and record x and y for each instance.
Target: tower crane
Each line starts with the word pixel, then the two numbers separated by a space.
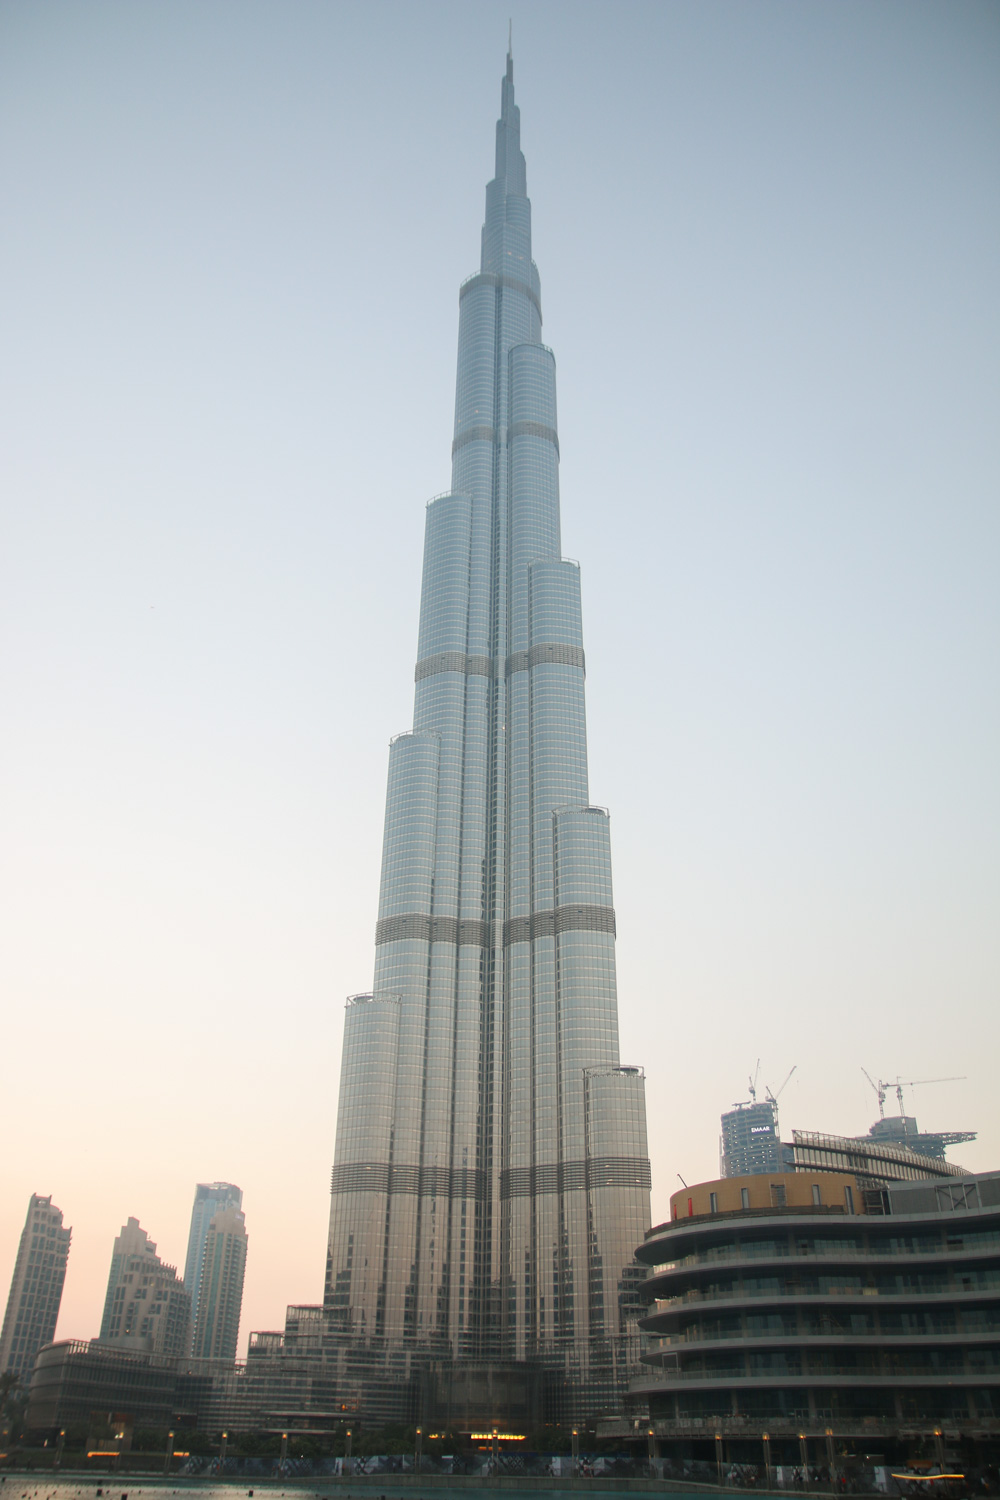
pixel 913 1083
pixel 774 1097
pixel 883 1087
pixel 880 1089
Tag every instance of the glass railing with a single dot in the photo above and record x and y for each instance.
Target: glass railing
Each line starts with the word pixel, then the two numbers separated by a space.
pixel 735 1252
pixel 716 1336
pixel 695 1296
pixel 671 1375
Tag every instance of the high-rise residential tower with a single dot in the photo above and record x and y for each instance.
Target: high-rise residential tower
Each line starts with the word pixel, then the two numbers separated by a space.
pixel 35 1289
pixel 209 1198
pixel 491 1176
pixel 147 1308
pixel 223 1265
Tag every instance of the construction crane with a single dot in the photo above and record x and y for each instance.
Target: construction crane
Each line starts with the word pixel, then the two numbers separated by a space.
pixel 913 1083
pixel 752 1087
pixel 880 1089
pixel 775 1097
pixel 883 1087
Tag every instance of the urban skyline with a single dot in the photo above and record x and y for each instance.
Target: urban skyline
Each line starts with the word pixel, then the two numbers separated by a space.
pixel 769 281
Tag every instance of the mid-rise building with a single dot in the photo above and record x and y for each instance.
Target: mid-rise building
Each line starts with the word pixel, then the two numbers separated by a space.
pixel 147 1308
pixel 35 1289
pixel 79 1381
pixel 209 1198
pixel 491 1173
pixel 223 1264
pixel 282 1386
pixel 800 1318
pixel 874 1160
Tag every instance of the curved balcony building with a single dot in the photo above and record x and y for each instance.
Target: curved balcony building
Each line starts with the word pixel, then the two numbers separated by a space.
pixel 789 1323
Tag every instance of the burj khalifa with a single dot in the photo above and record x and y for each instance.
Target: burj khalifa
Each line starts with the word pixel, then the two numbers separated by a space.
pixel 491 1178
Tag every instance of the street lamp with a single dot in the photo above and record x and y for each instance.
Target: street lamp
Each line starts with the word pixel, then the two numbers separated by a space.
pixel 650 1451
pixel 59 1446
pixel 347 1455
pixel 169 1453
pixel 495 1448
pixel 831 1463
pixel 718 1454
pixel 418 1450
pixel 222 1449
pixel 576 1451
pixel 284 1446
pixel 767 1457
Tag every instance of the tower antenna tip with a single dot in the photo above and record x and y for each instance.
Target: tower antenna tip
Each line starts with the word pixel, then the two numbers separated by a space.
pixel 510 37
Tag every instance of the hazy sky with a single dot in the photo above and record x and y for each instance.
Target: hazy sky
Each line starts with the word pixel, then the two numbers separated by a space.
pixel 768 237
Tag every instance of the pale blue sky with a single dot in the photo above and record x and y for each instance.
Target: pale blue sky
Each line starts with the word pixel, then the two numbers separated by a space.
pixel 768 237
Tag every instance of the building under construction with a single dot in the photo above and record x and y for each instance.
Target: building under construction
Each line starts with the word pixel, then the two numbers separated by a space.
pixel 750 1140
pixel 902 1129
pixel 894 1150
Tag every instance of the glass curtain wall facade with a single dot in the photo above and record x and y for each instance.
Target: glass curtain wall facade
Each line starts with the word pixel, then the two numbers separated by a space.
pixel 223 1267
pixel 750 1140
pixel 491 1176
pixel 209 1199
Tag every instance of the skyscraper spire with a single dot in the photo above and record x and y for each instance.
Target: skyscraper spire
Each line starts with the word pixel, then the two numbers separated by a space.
pixel 491 1178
